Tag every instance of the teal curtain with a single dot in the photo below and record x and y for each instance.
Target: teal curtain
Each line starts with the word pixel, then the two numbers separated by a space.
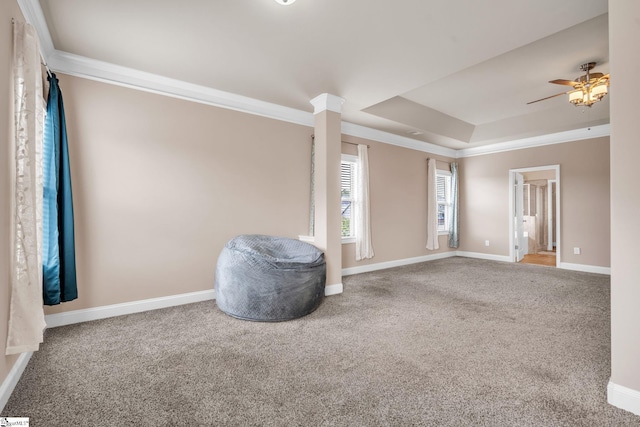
pixel 454 218
pixel 58 243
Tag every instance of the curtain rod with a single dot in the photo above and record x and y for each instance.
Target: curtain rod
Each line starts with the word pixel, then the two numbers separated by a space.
pixel 345 142
pixel 46 67
pixel 42 61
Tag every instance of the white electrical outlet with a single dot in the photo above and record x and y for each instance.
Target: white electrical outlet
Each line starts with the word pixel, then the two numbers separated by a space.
pixel 486 243
pixel 576 251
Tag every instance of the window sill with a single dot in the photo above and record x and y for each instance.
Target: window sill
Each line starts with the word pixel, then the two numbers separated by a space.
pixel 307 239
pixel 443 233
pixel 310 239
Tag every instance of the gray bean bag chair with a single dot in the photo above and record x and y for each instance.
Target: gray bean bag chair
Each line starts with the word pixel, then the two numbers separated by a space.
pixel 271 279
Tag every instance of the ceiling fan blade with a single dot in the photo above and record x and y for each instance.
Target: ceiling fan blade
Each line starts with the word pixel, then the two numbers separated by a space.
pixel 548 97
pixel 563 82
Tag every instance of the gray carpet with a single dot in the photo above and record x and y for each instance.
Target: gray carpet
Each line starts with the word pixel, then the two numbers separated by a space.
pixel 453 342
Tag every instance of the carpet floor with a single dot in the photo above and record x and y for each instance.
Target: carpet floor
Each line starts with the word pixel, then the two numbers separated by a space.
pixel 452 342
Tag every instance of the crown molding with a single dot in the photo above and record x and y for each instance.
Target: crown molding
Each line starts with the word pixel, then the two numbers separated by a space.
pixel 33 15
pixel 88 68
pixel 393 139
pixel 538 141
pixel 80 66
pixel 92 69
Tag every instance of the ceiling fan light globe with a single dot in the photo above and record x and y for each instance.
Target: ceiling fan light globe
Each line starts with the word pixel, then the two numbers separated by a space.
pixel 599 91
pixel 588 95
pixel 576 97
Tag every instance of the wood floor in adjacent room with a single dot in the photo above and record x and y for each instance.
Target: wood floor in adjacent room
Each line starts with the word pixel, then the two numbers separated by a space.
pixel 540 259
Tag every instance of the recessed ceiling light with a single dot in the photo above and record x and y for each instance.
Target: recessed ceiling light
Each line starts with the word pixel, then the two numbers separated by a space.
pixel 285 2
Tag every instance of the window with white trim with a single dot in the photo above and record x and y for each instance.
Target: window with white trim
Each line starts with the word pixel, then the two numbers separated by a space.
pixel 348 167
pixel 443 195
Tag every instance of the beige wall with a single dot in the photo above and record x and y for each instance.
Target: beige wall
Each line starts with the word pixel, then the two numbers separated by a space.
pixel 8 9
pixel 584 186
pixel 161 184
pixel 624 32
pixel 398 193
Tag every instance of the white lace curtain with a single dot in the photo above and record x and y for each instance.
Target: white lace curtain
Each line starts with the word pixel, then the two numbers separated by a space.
pixel 364 246
pixel 26 314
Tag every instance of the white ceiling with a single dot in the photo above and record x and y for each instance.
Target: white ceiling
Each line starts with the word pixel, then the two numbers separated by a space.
pixel 459 72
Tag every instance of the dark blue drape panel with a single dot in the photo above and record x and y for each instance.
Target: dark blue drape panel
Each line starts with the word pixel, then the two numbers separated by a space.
pixel 58 245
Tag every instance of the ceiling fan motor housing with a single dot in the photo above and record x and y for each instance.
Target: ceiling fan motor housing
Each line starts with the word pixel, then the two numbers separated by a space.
pixel 592 78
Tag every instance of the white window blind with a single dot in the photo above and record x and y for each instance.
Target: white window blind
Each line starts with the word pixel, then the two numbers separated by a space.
pixel 347 181
pixel 443 195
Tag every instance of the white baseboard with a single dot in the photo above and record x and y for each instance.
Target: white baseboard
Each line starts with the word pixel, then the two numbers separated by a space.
pixel 13 377
pixel 623 397
pixel 334 289
pixel 480 255
pixel 585 268
pixel 95 313
pixel 396 263
pixel 563 265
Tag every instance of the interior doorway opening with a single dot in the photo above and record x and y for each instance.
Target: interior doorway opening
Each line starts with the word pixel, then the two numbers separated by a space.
pixel 534 212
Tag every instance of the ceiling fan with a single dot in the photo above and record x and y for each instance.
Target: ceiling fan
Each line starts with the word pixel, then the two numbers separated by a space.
pixel 587 89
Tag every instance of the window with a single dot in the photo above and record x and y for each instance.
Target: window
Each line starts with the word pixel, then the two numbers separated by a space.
pixel 443 195
pixel 348 167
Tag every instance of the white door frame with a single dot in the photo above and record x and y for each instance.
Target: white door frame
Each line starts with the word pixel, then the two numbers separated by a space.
pixel 550 184
pixel 519 211
pixel 512 172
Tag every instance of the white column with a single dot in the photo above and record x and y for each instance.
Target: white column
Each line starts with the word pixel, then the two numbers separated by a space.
pixel 624 31
pixel 328 135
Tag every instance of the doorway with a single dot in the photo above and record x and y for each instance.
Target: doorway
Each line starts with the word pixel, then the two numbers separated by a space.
pixel 534 215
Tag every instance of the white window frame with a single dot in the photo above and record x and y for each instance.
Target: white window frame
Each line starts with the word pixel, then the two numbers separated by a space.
pixel 441 173
pixel 351 159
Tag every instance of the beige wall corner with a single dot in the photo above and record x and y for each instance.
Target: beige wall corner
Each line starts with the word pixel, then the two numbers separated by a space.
pixel 624 31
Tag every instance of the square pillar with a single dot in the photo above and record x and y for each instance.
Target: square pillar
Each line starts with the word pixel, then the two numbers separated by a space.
pixel 624 31
pixel 328 150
